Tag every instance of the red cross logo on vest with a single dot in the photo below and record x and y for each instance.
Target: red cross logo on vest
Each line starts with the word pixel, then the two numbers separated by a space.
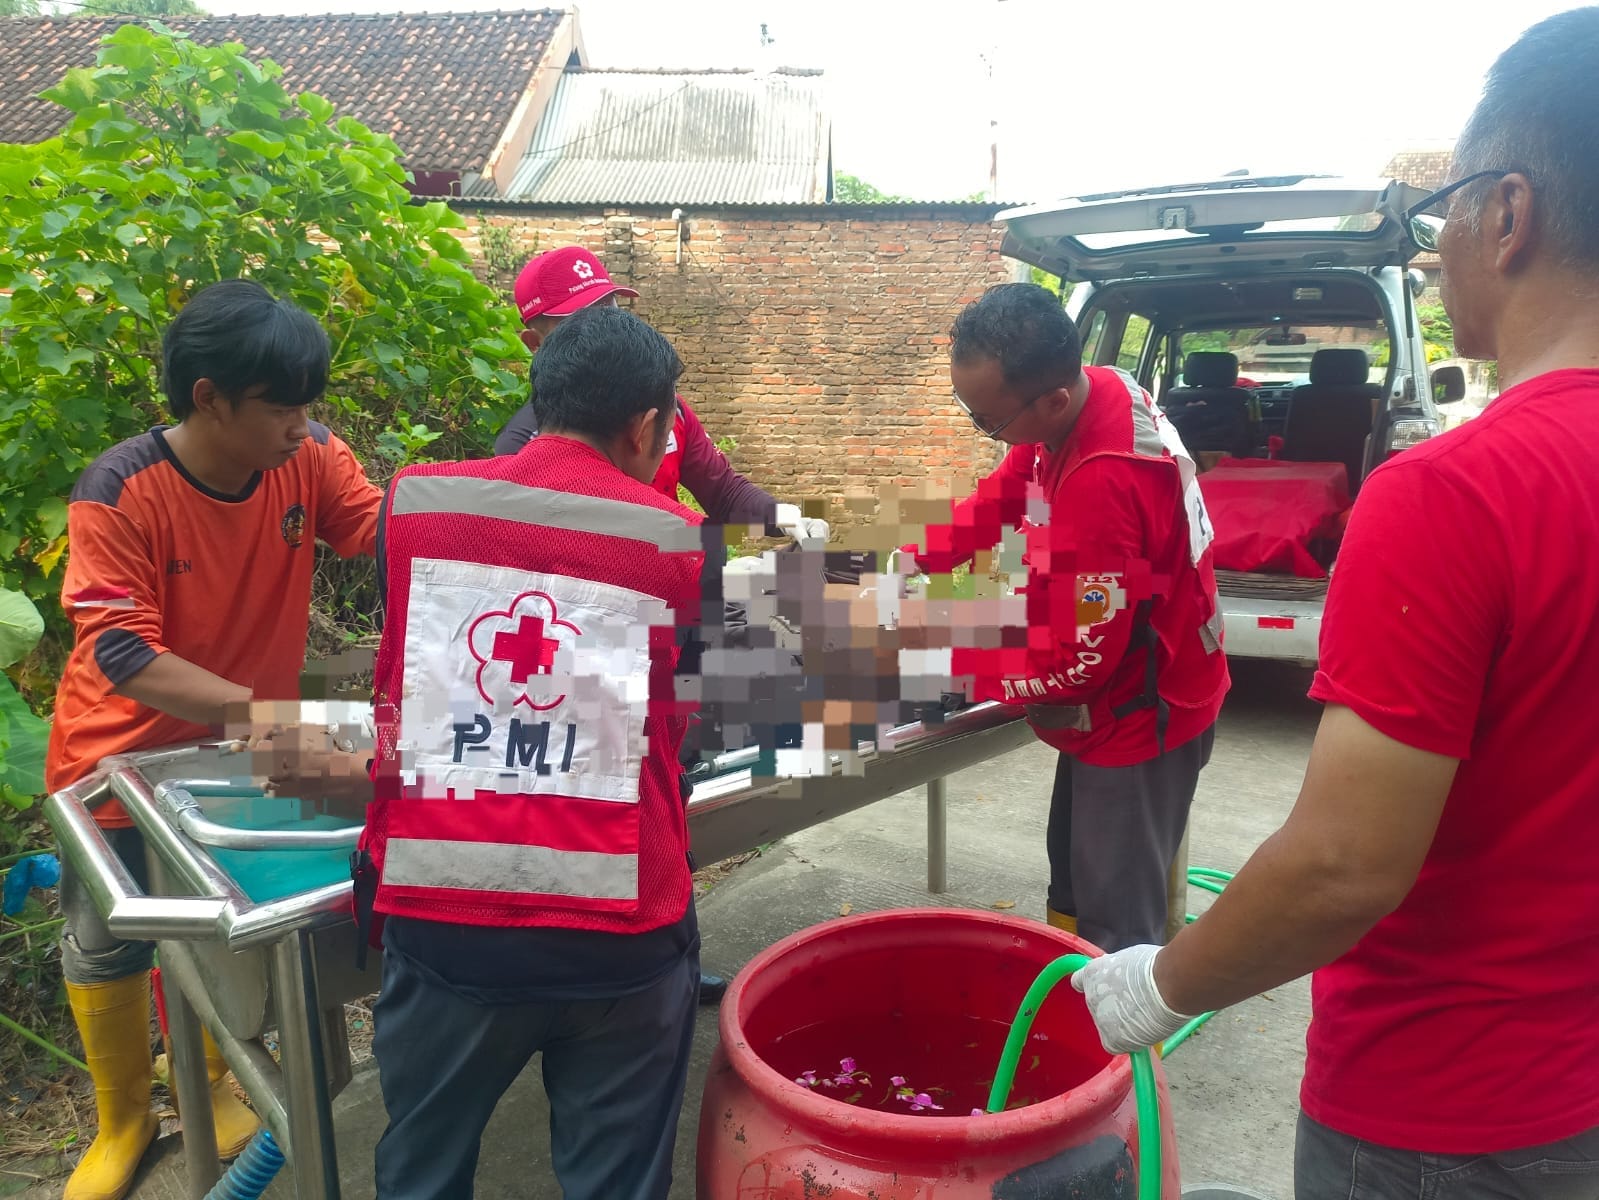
pixel 516 650
pixel 527 650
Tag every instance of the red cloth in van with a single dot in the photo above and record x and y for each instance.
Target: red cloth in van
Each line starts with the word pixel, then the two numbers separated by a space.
pixel 1267 512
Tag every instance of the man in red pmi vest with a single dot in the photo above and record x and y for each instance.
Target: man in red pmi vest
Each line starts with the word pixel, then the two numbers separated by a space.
pixel 527 830
pixel 555 285
pixel 1119 663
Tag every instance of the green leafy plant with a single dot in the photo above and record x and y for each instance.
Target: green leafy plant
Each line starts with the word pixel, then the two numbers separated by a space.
pixel 502 258
pixel 852 189
pixel 405 442
pixel 23 736
pixel 1050 282
pixel 181 164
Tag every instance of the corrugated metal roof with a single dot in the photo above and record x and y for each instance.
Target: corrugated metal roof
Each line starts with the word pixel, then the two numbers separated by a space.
pixel 663 137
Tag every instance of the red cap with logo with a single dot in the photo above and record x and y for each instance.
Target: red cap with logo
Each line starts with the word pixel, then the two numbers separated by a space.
pixel 559 283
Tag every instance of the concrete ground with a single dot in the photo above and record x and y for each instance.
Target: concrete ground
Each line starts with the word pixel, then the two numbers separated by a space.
pixel 1234 1085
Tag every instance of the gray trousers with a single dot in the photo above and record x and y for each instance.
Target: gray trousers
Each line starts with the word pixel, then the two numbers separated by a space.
pixel 614 1072
pixel 1333 1166
pixel 91 953
pixel 1113 835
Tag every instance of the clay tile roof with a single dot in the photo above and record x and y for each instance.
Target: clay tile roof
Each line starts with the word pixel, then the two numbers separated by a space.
pixel 1426 169
pixel 443 85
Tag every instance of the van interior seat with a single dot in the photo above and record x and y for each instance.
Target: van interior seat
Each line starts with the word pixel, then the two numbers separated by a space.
pixel 1210 411
pixel 1330 418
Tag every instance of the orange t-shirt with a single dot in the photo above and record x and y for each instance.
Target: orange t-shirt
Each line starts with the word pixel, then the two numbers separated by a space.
pixel 159 562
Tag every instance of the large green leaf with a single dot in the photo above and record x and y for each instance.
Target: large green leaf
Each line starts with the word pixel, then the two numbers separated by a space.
pixel 21 627
pixel 24 738
pixel 52 518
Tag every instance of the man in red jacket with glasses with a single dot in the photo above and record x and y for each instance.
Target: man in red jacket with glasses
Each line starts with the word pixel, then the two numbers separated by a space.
pixel 1114 644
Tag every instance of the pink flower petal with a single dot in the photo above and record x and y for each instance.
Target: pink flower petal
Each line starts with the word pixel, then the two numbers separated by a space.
pixel 847 1066
pixel 977 1112
pixel 898 1081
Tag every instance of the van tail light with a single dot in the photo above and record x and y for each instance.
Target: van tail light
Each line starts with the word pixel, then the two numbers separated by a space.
pixel 1411 431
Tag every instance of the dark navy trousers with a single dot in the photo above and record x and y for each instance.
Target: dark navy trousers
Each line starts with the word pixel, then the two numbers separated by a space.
pixel 614 1071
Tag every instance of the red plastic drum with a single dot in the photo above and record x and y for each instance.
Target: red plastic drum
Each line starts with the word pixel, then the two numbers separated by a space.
pixel 853 1053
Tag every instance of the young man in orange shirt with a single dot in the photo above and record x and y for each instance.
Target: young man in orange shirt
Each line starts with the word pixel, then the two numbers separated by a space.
pixel 189 587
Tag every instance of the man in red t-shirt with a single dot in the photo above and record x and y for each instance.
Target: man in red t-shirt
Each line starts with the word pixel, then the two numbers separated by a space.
pixel 1437 873
pixel 1115 646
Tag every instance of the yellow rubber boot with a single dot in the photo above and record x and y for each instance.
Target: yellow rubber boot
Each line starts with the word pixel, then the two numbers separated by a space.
pixel 235 1123
pixel 114 1021
pixel 1060 920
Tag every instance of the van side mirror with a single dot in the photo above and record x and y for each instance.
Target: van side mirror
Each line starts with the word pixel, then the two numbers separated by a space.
pixel 1448 383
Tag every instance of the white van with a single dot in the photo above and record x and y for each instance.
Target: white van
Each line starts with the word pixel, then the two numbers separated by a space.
pixel 1268 316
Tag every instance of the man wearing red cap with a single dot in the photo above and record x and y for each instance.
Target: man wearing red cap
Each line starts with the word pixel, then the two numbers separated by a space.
pixel 558 284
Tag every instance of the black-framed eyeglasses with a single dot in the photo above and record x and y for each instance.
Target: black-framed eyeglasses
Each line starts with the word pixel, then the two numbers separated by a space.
pixel 1425 221
pixel 994 431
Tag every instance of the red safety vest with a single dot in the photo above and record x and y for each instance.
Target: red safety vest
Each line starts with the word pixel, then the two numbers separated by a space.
pixel 1174 660
pixel 526 770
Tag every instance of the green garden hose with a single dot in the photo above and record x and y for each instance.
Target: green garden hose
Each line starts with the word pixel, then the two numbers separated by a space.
pixel 1148 1100
pixel 1149 1166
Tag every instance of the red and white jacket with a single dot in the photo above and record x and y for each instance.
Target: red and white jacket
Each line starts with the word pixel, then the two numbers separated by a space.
pixel 526 771
pixel 1118 620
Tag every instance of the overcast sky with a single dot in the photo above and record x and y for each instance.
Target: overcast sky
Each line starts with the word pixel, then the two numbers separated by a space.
pixel 1086 96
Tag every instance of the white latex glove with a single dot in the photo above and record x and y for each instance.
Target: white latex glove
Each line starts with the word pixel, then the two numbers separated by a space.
pixel 1126 1005
pixel 810 532
pixel 750 564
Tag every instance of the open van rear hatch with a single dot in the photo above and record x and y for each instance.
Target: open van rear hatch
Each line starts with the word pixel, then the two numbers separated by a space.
pixel 1240 225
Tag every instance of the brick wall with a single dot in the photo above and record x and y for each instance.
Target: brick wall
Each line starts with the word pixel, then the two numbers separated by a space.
pixel 817 339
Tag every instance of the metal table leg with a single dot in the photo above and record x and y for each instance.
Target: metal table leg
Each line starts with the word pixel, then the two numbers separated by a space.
pixel 186 1062
pixel 187 1066
pixel 937 836
pixel 312 1152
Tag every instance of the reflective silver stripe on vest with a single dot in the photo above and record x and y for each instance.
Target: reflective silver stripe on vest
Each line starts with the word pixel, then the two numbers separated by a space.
pixel 464 496
pixel 498 867
pixel 1146 438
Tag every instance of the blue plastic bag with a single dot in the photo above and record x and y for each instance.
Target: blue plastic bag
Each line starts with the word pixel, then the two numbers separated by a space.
pixel 35 871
